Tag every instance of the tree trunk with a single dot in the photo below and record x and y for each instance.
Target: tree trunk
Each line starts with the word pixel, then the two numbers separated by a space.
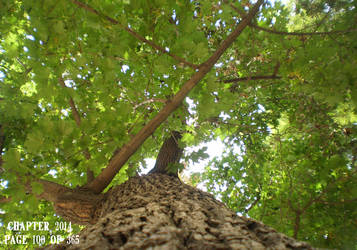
pixel 158 211
pixel 170 153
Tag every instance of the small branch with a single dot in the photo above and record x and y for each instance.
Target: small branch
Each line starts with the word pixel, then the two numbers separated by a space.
pixel 27 70
pixel 120 158
pixel 326 189
pixel 75 112
pixel 2 142
pixel 302 33
pixel 292 33
pixel 150 101
pixel 276 68
pixel 90 176
pixel 4 199
pixel 134 34
pixel 252 78
pixel 297 224
pixel 337 203
pixel 253 204
pixel 77 119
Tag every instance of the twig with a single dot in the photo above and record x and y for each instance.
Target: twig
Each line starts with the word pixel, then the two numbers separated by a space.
pixel 302 33
pixel 75 112
pixel 292 33
pixel 4 199
pixel 150 101
pixel 252 78
pixel 253 204
pixel 77 119
pixel 134 34
pixel 2 141
pixel 276 68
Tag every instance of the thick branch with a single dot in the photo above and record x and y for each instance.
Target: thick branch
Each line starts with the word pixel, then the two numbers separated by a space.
pixel 170 153
pixel 134 34
pixel 51 190
pixel 119 159
pixel 75 205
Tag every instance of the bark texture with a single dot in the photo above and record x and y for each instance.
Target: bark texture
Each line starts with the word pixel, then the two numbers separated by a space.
pixel 158 211
pixel 170 153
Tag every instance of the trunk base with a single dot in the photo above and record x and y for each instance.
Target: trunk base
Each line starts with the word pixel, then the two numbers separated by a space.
pixel 159 212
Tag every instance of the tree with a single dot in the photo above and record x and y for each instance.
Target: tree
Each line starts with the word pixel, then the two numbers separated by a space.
pixel 90 89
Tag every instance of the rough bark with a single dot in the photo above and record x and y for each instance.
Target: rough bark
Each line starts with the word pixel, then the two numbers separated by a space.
pixel 158 211
pixel 170 153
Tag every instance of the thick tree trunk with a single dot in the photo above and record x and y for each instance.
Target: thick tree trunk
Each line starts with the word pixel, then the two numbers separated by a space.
pixel 158 211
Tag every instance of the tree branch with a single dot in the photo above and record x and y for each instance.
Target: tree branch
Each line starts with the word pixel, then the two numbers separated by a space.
pixel 4 199
pixel 2 142
pixel 120 158
pixel 76 205
pixel 134 34
pixel 51 190
pixel 77 119
pixel 255 202
pixel 292 33
pixel 75 112
pixel 302 33
pixel 149 101
pixel 276 68
pixel 252 78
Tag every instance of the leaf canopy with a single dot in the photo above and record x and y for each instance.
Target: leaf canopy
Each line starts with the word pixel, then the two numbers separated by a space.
pixel 79 79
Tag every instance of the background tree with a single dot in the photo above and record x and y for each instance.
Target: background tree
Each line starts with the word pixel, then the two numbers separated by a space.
pixel 90 89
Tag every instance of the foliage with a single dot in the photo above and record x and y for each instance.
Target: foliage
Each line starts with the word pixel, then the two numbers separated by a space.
pixel 285 105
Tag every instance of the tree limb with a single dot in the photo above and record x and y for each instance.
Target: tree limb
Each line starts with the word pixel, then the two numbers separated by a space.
pixel 134 34
pixel 272 31
pixel 120 158
pixel 51 190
